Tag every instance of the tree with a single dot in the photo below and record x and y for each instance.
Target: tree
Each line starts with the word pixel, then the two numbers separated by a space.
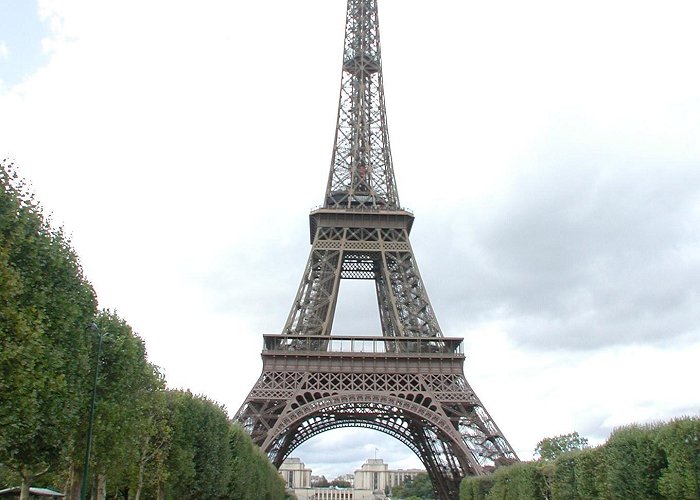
pixel 47 356
pixel 124 408
pixel 341 483
pixel 5 477
pixel 476 487
pixel 199 457
pixel 154 442
pixel 680 440
pixel 45 306
pixel 146 440
pixel 321 482
pixel 638 461
pixel 590 473
pixel 241 455
pixel 253 477
pixel 634 463
pixel 419 487
pixel 551 448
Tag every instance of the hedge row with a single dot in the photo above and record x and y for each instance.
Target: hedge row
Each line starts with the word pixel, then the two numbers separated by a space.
pixel 641 462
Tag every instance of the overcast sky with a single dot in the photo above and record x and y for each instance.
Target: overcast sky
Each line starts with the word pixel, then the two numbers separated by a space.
pixel 549 150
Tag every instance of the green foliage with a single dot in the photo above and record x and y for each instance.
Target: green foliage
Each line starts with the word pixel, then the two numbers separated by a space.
pixel 563 485
pixel 253 476
pixel 552 447
pixel 527 481
pixel 241 453
pixel 127 388
pixel 211 458
pixel 634 463
pixel 680 441
pixel 321 482
pixel 589 471
pixel 340 483
pixel 7 478
pixel 45 307
pixel 520 481
pixel 640 462
pixel 502 486
pixel 420 487
pixel 155 437
pixel 475 488
pixel 199 458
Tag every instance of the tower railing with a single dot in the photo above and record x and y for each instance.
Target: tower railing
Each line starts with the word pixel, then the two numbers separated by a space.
pixel 335 344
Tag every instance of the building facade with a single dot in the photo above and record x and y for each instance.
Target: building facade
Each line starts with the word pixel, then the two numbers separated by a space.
pixel 372 481
pixel 329 494
pixel 295 474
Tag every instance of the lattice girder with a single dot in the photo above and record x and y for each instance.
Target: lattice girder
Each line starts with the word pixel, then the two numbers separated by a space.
pixel 408 382
pixel 426 390
pixel 308 387
pixel 365 249
pixel 314 305
pixel 442 453
pixel 362 174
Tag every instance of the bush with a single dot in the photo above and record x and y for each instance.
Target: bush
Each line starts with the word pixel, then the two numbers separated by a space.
pixel 680 441
pixel 640 462
pixel 634 464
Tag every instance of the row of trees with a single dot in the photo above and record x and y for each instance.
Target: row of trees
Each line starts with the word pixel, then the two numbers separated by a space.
pixel 45 307
pixel 418 488
pixel 148 442
pixel 322 482
pixel 642 462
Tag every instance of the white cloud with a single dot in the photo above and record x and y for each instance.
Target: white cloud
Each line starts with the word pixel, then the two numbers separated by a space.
pixel 324 456
pixel 4 50
pixel 534 394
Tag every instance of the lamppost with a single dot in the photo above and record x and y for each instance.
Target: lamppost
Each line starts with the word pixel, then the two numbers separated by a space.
pixel 91 418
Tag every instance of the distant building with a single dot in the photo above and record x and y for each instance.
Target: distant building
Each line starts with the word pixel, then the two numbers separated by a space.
pixel 329 494
pixel 376 476
pixel 371 482
pixel 400 476
pixel 373 476
pixel 295 474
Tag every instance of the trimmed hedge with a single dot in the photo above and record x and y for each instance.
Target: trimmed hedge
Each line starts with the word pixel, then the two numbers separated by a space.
pixel 644 462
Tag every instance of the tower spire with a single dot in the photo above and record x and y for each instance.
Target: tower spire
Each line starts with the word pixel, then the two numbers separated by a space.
pixel 361 174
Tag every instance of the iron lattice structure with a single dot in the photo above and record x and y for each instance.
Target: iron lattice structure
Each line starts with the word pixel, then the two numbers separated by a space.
pixel 409 382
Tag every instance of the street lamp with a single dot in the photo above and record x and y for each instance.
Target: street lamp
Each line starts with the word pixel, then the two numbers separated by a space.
pixel 91 418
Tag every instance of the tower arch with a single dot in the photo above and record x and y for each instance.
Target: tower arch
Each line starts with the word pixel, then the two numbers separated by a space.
pixel 420 425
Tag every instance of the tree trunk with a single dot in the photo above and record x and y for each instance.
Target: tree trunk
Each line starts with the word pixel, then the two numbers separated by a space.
pixel 24 488
pixel 139 487
pixel 73 492
pixel 101 487
pixel 161 491
pixel 67 484
pixel 93 489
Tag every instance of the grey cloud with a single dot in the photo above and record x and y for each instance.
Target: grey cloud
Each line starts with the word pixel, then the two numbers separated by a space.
pixel 344 450
pixel 577 257
pixel 257 279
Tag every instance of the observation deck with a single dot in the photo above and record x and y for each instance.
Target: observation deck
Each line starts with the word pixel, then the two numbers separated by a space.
pixel 361 218
pixel 362 353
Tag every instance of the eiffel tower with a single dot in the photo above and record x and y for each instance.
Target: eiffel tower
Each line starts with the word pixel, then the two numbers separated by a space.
pixel 409 382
